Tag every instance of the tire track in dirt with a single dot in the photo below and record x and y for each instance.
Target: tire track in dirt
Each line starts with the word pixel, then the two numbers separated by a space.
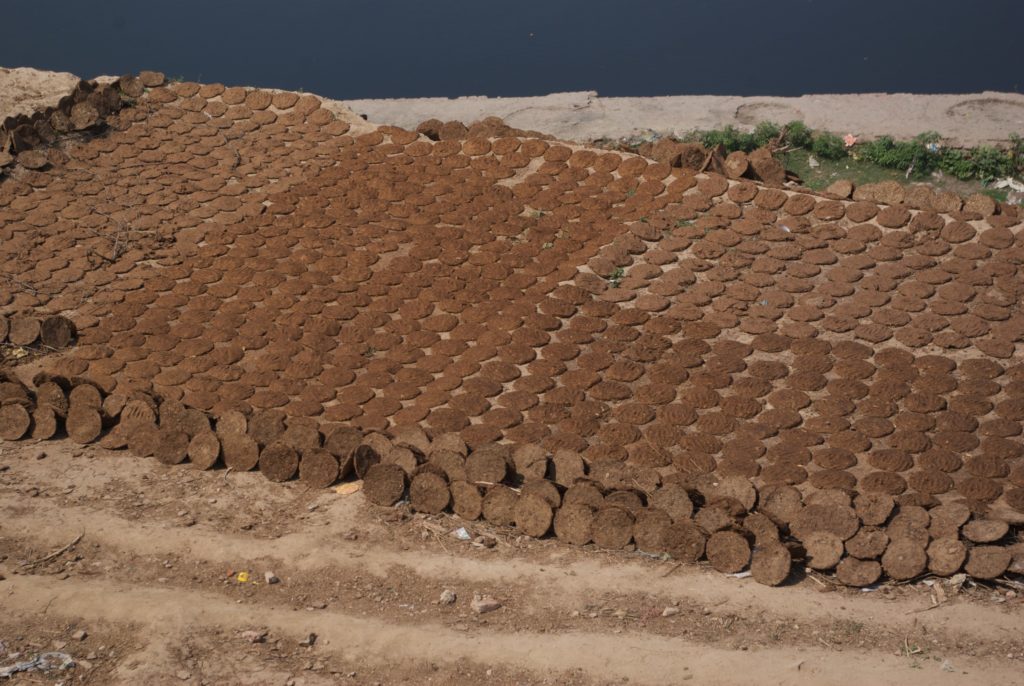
pixel 556 583
pixel 641 658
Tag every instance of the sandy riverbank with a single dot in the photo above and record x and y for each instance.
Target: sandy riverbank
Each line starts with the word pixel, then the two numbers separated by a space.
pixel 971 119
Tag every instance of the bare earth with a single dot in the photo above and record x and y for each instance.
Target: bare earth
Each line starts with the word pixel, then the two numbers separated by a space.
pixel 153 583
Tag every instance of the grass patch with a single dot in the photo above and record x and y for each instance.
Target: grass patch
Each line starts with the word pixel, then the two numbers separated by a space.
pixel 916 159
pixel 829 171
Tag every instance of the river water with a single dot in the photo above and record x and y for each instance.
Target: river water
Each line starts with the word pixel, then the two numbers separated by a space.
pixel 405 48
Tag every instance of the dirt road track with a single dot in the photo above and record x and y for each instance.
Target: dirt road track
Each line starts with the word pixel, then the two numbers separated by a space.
pixel 159 544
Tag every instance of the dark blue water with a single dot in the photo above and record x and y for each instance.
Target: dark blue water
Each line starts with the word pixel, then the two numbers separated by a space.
pixel 412 48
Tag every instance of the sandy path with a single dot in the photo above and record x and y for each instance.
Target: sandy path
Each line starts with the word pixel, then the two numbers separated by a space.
pixel 155 579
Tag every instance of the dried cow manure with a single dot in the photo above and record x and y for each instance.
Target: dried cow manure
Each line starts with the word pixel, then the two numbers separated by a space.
pixel 173 446
pixel 543 489
pixel 384 484
pixel 84 425
pixel 467 501
pixel 52 395
pixel 240 452
pixel 87 395
pixel 279 461
pixel 586 493
pixel 342 443
pixel 23 331
pixel 57 332
pixel 824 549
pixel 612 527
pixel 204 449
pixel 232 421
pixel 674 500
pixel 728 551
pixel 318 468
pixel 44 423
pixel 650 530
pixel 987 561
pixel 770 563
pixel 533 515
pixel 904 560
pixel 15 422
pixel 858 573
pixel 985 530
pixel 428 492
pixel 567 467
pixel 143 438
pixel 574 523
pixel 488 464
pixel 946 556
pixel 499 505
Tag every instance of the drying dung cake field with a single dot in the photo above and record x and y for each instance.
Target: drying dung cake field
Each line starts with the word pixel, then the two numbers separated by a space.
pixel 291 398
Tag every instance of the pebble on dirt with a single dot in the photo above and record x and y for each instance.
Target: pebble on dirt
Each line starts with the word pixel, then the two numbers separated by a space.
pixel 271 578
pixel 447 597
pixel 482 604
pixel 308 641
pixel 80 635
pixel 255 636
pixel 670 611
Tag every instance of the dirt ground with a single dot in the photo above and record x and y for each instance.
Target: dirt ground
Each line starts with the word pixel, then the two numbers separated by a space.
pixel 153 583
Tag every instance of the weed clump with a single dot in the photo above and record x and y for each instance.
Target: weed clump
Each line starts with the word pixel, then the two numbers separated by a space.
pixel 918 157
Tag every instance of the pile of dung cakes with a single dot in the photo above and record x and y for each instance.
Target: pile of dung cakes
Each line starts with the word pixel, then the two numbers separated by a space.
pixel 785 359
pixel 27 138
pixel 27 330
pixel 727 521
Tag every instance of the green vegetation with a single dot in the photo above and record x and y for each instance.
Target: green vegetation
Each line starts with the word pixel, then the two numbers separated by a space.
pixel 616 278
pixel 829 146
pixel 916 158
pixel 820 176
pixel 733 139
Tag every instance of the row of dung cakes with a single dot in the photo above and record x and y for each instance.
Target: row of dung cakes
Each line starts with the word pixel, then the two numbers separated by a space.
pixel 727 521
pixel 25 137
pixel 51 332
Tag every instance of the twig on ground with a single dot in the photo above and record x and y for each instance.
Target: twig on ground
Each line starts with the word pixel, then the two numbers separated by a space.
pixel 672 569
pixel 56 553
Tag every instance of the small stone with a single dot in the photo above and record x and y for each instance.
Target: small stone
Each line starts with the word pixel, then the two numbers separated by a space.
pixel 319 605
pixel 80 635
pixel 308 641
pixel 255 636
pixel 92 656
pixel 183 675
pixel 485 541
pixel 447 597
pixel 670 611
pixel 271 578
pixel 482 604
pixel 41 455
